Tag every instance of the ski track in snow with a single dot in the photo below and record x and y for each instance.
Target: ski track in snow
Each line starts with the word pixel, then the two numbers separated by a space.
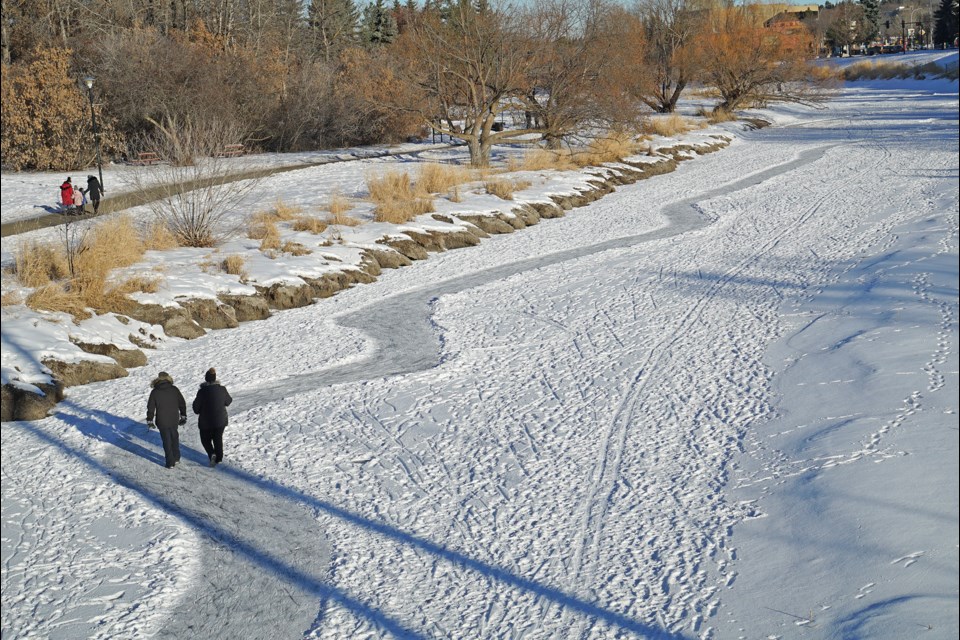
pixel 522 449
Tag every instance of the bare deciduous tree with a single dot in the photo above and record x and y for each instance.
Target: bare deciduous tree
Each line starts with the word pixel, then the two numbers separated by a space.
pixel 466 70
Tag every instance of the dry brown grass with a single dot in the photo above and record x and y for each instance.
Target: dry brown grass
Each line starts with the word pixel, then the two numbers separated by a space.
pixel 310 224
pixel 439 178
pixel 234 265
pixel 284 211
pixel 157 237
pixel 295 248
pixel 10 298
pixel 38 263
pixel 59 296
pixel 396 199
pixel 112 244
pixel 609 149
pixel 545 159
pixel 270 240
pixel 669 126
pixel 503 188
pixel 717 116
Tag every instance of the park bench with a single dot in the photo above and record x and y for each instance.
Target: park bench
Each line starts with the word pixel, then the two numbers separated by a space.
pixel 232 150
pixel 146 157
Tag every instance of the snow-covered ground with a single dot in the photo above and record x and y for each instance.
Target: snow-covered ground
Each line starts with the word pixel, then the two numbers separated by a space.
pixel 719 403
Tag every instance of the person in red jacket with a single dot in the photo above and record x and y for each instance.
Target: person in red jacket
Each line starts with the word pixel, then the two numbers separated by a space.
pixel 66 194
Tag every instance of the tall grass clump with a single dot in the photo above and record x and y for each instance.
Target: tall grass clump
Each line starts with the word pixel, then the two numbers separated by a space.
pixel 611 148
pixel 439 178
pixel 669 126
pixel 37 264
pixel 396 199
pixel 503 188
pixel 543 160
pixel 113 244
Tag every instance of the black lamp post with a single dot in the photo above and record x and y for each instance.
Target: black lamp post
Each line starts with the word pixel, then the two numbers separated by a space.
pixel 96 131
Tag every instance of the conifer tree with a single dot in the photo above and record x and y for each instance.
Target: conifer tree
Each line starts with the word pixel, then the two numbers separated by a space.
pixel 378 26
pixel 871 15
pixel 946 21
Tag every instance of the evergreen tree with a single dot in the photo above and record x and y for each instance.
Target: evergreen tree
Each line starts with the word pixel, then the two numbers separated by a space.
pixel 871 15
pixel 946 23
pixel 333 24
pixel 379 26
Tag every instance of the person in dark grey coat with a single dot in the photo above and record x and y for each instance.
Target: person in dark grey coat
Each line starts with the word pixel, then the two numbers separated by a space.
pixel 211 405
pixel 167 410
pixel 94 191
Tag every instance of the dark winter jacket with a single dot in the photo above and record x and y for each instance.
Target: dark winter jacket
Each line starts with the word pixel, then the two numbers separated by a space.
pixel 211 405
pixel 94 188
pixel 66 194
pixel 166 403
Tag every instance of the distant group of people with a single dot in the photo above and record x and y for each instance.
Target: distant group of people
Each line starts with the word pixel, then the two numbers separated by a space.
pixel 167 411
pixel 74 199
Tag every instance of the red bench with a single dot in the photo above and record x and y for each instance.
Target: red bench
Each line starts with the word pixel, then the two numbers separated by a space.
pixel 147 157
pixel 232 150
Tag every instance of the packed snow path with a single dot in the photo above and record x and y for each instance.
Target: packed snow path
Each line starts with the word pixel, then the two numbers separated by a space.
pixel 537 437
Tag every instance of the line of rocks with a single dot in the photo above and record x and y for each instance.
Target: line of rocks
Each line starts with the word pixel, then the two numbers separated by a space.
pixel 193 317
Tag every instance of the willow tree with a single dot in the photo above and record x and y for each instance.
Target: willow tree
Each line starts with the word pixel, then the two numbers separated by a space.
pixel 750 64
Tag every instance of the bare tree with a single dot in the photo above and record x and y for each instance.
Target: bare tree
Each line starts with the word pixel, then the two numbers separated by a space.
pixel 575 70
pixel 466 70
pixel 193 193
pixel 670 53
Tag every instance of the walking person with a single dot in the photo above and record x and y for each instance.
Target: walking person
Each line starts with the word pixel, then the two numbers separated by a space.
pixel 78 200
pixel 167 410
pixel 66 194
pixel 94 191
pixel 211 405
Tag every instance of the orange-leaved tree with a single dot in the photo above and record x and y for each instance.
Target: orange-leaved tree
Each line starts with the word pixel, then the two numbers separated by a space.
pixel 751 64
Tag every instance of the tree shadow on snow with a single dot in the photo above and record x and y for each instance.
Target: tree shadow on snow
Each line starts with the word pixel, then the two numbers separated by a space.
pixel 121 432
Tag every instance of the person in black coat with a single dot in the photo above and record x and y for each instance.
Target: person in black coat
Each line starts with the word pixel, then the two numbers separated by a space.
pixel 94 191
pixel 167 410
pixel 211 405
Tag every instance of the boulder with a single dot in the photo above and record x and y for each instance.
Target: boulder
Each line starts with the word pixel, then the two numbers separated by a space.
pixel 126 358
pixel 176 321
pixel 389 258
pixel 286 295
pixel 210 313
pixel 489 224
pixel 406 246
pixel 247 308
pixel 21 404
pixel 71 374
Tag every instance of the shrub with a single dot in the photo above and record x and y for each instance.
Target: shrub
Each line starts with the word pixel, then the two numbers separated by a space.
pixel 544 159
pixel 46 121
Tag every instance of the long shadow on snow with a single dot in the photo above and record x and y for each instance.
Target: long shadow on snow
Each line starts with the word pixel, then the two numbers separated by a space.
pixel 118 431
pixel 152 493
